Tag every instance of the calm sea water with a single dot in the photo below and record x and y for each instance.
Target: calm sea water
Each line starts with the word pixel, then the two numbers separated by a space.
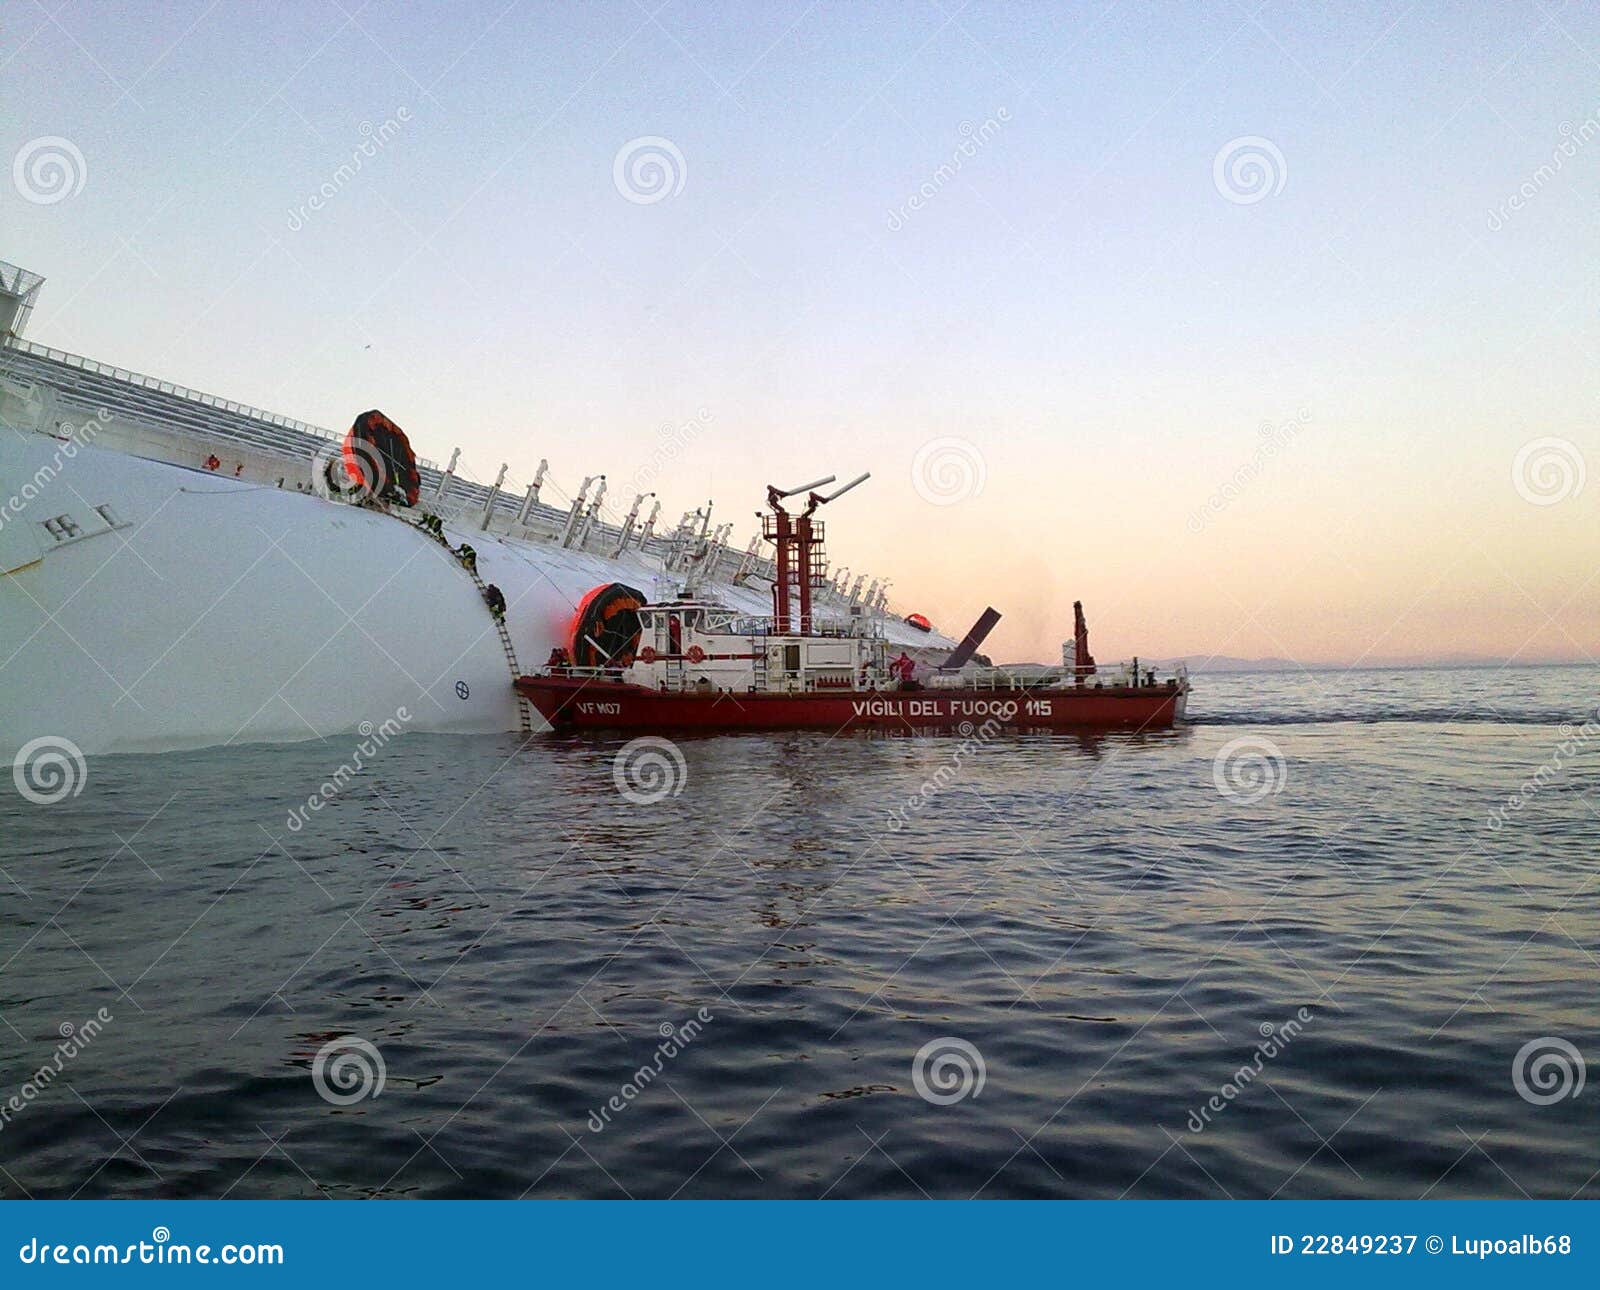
pixel 1282 952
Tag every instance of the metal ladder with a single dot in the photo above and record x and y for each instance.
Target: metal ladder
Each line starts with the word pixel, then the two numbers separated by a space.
pixel 524 710
pixel 524 713
pixel 758 663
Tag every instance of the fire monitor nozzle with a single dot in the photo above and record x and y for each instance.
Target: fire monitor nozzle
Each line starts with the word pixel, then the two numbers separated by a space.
pixel 803 488
pixel 840 492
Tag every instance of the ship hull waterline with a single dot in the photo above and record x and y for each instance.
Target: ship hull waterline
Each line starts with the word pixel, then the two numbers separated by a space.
pixel 574 703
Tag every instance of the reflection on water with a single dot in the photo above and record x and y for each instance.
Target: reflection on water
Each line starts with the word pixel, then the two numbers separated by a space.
pixel 1027 970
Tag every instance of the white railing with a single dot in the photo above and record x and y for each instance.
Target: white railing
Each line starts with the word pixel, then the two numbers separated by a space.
pixel 123 374
pixel 1052 678
pixel 997 678
pixel 718 622
pixel 78 362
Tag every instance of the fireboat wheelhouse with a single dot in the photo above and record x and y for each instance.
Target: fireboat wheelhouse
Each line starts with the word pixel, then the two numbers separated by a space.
pixel 692 664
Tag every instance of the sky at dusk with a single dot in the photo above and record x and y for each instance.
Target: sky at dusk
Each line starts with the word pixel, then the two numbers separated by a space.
pixel 1263 329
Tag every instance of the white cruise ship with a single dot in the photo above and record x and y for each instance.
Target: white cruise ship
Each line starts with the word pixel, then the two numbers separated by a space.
pixel 175 571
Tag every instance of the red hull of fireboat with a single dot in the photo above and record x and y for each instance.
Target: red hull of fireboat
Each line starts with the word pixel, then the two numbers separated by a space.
pixel 586 703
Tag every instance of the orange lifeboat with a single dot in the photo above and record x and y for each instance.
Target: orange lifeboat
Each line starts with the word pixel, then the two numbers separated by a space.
pixel 375 446
pixel 604 631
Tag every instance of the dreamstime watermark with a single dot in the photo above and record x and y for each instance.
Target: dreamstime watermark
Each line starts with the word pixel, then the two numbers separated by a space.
pixel 1548 470
pixel 160 1250
pixel 49 769
pixel 672 441
pixel 948 1070
pixel 374 138
pixel 74 438
pixel 48 170
pixel 1249 769
pixel 1275 439
pixel 331 477
pixel 348 1070
pixel 74 1039
pixel 1547 1070
pixel 373 739
pixel 973 740
pixel 1249 169
pixel 973 140
pixel 948 470
pixel 649 169
pixel 1573 137
pixel 674 1039
pixel 1274 1039
pixel 649 770
pixel 1574 739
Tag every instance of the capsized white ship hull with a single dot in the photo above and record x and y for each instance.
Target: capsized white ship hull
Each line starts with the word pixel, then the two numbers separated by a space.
pixel 170 584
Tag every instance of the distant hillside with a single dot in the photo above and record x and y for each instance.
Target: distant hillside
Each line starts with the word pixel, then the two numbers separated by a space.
pixel 1195 663
pixel 1201 663
pixel 1227 663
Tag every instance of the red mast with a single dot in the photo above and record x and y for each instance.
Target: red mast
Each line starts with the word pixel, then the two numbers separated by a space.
pixel 808 557
pixel 799 542
pixel 778 529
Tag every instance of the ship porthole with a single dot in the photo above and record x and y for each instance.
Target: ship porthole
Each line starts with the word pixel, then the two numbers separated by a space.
pixel 462 690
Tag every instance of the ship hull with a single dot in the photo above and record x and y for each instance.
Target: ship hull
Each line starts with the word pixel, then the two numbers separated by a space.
pixel 208 610
pixel 573 703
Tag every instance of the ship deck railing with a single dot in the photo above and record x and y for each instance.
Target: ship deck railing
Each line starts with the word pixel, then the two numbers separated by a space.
pixel 832 628
pixel 718 620
pixel 1000 678
pixel 1054 678
pixel 128 377
pixel 569 672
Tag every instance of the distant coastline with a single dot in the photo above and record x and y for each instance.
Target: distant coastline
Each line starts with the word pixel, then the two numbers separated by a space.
pixel 1460 662
pixel 1203 663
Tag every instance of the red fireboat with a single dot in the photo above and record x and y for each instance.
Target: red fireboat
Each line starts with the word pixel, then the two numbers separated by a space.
pixel 691 664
